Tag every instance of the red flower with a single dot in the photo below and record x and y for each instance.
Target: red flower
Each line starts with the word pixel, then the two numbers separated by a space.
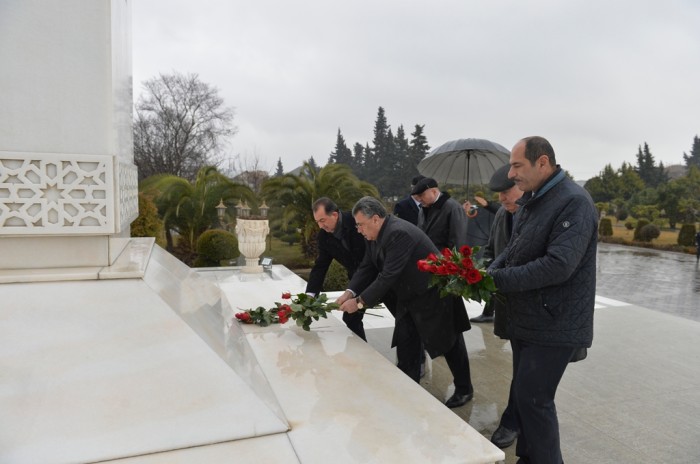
pixel 473 276
pixel 467 263
pixel 452 268
pixel 466 250
pixel 282 315
pixel 423 265
pixel 286 309
pixel 447 253
pixel 245 317
pixel 432 257
pixel 286 295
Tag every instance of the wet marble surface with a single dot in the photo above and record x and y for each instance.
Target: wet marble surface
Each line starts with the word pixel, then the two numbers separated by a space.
pixel 96 370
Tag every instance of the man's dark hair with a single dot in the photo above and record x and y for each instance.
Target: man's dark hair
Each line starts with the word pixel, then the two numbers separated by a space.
pixel 535 147
pixel 369 206
pixel 328 205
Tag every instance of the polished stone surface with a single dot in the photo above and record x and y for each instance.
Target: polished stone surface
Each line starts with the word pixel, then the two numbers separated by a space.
pixel 635 399
pixel 97 370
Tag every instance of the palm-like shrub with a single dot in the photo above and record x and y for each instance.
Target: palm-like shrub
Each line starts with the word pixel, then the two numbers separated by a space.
pixel 293 195
pixel 188 209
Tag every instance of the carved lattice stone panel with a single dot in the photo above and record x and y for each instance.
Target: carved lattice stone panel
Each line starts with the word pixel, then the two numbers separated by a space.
pixel 128 193
pixel 56 194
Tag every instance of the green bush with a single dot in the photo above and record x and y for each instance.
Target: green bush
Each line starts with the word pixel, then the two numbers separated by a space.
pixel 214 246
pixel 621 214
pixel 629 225
pixel 649 232
pixel 336 278
pixel 686 236
pixel 605 228
pixel 640 223
pixel 148 223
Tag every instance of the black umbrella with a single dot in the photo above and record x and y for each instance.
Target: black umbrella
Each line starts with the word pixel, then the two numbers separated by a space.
pixel 464 161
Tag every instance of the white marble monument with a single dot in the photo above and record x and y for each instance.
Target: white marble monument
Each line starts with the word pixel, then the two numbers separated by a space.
pixel 111 350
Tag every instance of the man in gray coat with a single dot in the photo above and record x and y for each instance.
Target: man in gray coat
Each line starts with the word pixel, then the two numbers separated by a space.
pixel 548 274
pixel 394 246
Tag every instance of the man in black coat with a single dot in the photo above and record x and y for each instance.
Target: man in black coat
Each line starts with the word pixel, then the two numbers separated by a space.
pixel 548 274
pixel 408 208
pixel 338 239
pixel 393 249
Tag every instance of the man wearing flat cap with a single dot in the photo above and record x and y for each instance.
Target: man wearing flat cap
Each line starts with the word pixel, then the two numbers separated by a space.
pixel 444 221
pixel 501 229
pixel 441 217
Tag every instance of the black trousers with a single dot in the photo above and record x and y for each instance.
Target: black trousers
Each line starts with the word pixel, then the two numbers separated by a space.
pixel 354 323
pixel 537 371
pixel 409 348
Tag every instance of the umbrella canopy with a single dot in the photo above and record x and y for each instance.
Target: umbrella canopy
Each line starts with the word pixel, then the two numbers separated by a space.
pixel 464 161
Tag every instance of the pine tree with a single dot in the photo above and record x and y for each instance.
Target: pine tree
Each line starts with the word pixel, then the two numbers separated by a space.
pixel 280 169
pixel 313 165
pixel 358 158
pixel 342 154
pixel 651 174
pixel 418 150
pixel 694 158
pixel 372 167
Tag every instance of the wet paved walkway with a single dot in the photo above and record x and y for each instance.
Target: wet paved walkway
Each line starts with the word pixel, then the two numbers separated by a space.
pixel 636 399
pixel 660 280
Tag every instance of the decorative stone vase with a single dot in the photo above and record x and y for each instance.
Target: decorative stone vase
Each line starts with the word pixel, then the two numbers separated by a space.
pixel 252 234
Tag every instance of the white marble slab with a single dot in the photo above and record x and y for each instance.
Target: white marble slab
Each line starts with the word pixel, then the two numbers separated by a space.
pixel 97 370
pixel 271 449
pixel 345 402
pixel 131 262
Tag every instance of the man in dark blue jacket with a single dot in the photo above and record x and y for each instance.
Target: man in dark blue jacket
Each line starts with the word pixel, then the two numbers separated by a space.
pixel 408 208
pixel 338 239
pixel 547 273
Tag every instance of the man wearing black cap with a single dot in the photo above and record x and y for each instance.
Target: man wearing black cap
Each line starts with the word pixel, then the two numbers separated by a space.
pixel 501 227
pixel 444 221
pixel 407 208
pixel 508 194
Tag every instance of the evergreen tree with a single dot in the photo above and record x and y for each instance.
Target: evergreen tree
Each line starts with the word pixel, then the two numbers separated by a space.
pixel 372 167
pixel 694 158
pixel 358 158
pixel 313 165
pixel 418 150
pixel 280 169
pixel 342 154
pixel 651 174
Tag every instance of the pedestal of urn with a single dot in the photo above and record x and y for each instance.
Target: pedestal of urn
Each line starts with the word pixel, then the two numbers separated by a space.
pixel 252 234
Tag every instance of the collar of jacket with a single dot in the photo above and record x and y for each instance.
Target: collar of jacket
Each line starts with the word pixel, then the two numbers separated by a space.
pixel 553 180
pixel 440 201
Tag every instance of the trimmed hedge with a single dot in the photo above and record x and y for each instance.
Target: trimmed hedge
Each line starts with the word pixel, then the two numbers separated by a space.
pixel 605 229
pixel 336 278
pixel 640 223
pixel 686 236
pixel 649 232
pixel 214 246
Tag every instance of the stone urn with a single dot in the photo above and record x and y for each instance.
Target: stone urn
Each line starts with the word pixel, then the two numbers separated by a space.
pixel 252 235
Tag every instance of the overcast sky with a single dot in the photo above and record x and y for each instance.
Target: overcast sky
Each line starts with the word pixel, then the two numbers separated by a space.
pixel 596 77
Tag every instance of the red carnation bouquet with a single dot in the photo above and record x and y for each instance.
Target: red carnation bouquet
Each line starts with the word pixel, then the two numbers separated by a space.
pixel 457 272
pixel 302 308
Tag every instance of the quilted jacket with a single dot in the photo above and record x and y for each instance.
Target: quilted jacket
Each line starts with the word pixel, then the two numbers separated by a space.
pixel 548 269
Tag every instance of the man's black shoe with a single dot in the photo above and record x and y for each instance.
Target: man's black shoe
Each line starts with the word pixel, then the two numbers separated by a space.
pixel 503 437
pixel 481 318
pixel 459 399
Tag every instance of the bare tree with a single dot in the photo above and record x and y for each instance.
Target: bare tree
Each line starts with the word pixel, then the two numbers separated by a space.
pixel 247 170
pixel 180 125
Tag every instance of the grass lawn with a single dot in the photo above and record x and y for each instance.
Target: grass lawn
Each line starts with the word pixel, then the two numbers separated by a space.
pixel 667 237
pixel 285 254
